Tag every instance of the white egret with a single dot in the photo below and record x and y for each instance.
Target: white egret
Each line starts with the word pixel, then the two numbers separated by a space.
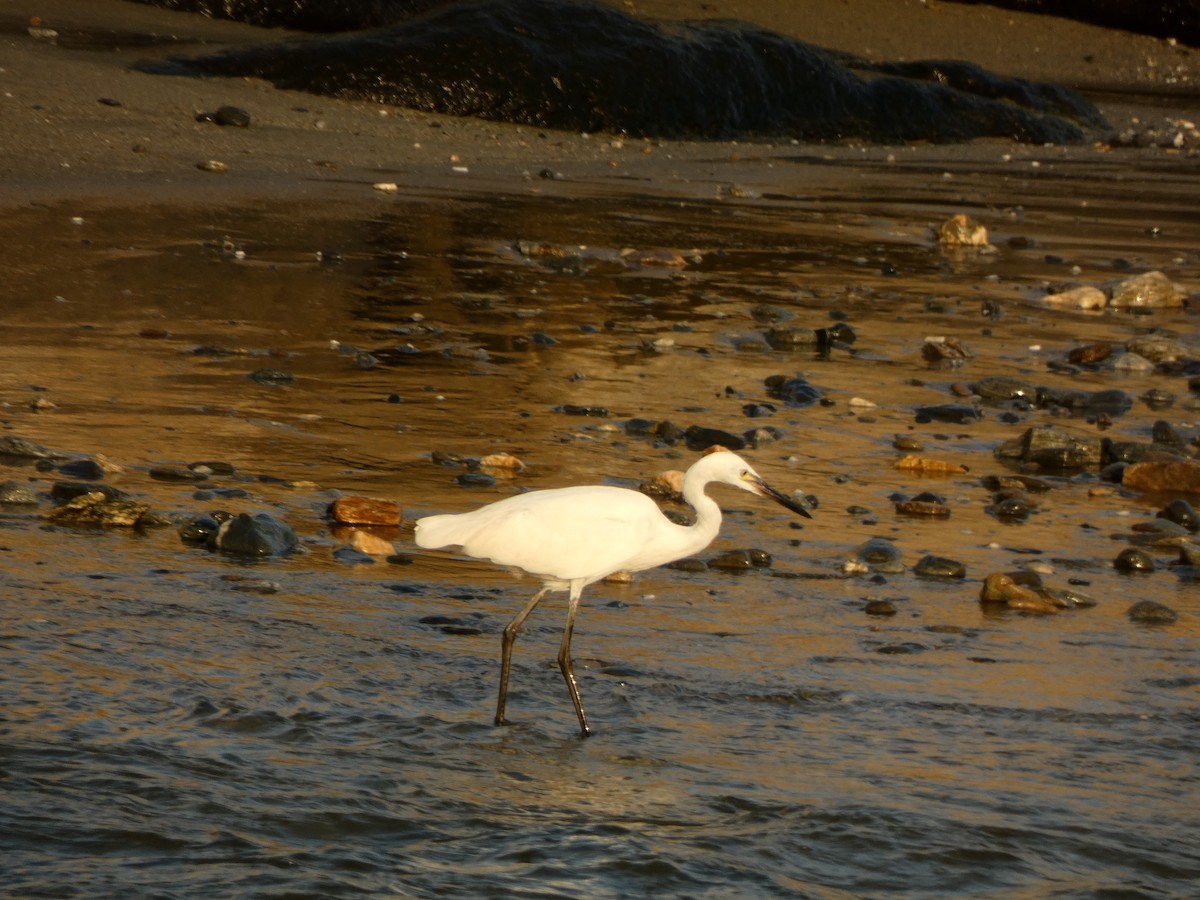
pixel 571 537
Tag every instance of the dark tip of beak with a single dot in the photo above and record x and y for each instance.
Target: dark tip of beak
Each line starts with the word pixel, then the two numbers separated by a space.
pixel 784 500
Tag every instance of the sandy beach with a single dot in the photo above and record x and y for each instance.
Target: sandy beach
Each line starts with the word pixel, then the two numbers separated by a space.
pixel 79 122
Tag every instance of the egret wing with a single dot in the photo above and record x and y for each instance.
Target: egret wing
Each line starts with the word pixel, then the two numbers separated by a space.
pixel 584 532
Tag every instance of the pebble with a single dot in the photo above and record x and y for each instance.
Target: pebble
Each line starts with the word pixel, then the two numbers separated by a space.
pixel 1001 388
pixel 17 494
pixel 23 448
pixel 740 560
pixel 924 504
pixel 880 555
pixel 1151 290
pixel 272 376
pixel 1181 476
pixel 880 608
pixel 255 535
pixel 1002 589
pixel 700 438
pixel 1053 448
pixel 954 413
pixel 1078 298
pixel 1132 559
pixel 1150 612
pixel 364 511
pixel 476 479
pixel 95 508
pixel 962 231
pixel 249 585
pixel 794 390
pixel 939 567
pixel 353 556
pixel 1181 513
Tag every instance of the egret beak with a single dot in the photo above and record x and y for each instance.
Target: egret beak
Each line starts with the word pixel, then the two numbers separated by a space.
pixel 763 489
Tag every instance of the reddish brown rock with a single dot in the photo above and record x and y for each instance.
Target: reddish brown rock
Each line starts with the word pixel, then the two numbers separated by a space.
pixel 1177 476
pixel 364 511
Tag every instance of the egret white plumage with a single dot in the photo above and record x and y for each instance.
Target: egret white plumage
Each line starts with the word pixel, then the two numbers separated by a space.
pixel 571 537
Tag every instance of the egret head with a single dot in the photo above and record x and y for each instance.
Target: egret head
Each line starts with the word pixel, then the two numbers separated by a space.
pixel 727 467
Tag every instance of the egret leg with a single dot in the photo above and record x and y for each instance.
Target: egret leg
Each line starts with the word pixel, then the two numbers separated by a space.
pixel 506 646
pixel 564 657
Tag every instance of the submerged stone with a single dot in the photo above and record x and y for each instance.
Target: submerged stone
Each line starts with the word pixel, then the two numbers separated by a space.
pixel 259 535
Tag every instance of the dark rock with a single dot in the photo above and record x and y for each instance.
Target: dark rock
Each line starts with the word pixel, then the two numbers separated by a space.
pixel 233 116
pixel 1125 451
pixel 23 448
pixel 1052 448
pixel 272 376
pixel 759 437
pixel 740 560
pixel 584 68
pixel 203 528
pixel 699 438
pixel 1158 398
pixel 880 608
pixel 570 409
pixel 1164 435
pixel 939 567
pixel 476 479
pixel 259 535
pixel 955 413
pixel 924 504
pixel 1132 559
pixel 758 410
pixel 212 467
pixel 1181 513
pixel 1149 612
pixel 794 391
pixel 176 475
pixel 641 427
pixel 1002 388
pixel 68 490
pixel 1012 508
pixel 353 556
pixel 82 468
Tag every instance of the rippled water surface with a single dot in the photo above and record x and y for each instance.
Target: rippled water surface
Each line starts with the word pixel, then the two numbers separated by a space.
pixel 168 732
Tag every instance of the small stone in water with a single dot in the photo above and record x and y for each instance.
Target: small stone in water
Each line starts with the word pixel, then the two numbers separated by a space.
pixel 364 511
pixel 1181 513
pixel 272 376
pixel 1133 560
pixel 1149 612
pixel 880 608
pixel 259 535
pixel 940 567
pixel 16 493
pixel 476 479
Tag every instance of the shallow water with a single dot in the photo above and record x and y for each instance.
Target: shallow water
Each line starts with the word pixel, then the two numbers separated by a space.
pixel 168 733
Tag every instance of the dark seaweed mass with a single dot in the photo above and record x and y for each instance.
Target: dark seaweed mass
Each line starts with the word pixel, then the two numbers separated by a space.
pixel 592 68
